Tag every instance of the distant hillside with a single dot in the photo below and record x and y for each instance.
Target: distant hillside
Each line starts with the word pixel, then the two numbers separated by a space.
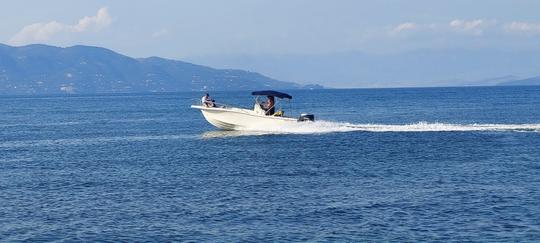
pixel 42 69
pixel 489 81
pixel 424 67
pixel 522 82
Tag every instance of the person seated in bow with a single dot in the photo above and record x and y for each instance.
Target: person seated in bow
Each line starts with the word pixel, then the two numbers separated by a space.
pixel 207 101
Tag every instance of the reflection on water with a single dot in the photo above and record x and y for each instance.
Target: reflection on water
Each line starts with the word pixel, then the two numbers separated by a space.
pixel 226 134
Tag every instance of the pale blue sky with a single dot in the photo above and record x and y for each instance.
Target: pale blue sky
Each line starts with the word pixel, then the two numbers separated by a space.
pixel 180 29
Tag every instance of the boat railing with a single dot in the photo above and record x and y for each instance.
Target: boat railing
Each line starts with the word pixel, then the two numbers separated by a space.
pixel 218 105
pixel 237 108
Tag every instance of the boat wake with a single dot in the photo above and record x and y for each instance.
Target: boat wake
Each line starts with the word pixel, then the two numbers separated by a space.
pixel 88 141
pixel 320 127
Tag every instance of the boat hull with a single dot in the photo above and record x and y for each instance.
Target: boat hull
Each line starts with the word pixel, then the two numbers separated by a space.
pixel 240 119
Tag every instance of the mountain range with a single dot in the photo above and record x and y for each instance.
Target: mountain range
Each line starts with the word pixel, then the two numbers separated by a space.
pixel 43 69
pixel 413 68
pixel 522 82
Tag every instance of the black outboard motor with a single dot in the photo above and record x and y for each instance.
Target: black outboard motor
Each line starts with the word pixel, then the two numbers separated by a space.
pixel 306 117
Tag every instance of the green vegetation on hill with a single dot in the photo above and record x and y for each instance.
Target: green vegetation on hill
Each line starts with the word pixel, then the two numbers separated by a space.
pixel 42 69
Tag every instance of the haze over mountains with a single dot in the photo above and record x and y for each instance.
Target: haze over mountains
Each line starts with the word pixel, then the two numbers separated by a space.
pixel 42 69
pixel 426 68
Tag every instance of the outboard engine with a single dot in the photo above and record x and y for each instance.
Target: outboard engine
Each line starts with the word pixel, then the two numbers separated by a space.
pixel 306 117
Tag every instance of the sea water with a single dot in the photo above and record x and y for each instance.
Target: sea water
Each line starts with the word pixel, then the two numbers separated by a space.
pixel 418 164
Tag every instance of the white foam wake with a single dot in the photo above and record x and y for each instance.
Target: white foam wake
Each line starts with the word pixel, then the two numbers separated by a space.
pixel 328 127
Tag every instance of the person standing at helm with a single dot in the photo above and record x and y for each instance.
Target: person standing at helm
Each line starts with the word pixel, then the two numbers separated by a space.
pixel 269 105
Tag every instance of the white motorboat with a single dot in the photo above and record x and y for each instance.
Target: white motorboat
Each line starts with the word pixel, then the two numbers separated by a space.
pixel 234 118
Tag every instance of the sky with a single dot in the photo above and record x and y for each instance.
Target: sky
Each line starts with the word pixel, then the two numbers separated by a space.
pixel 209 28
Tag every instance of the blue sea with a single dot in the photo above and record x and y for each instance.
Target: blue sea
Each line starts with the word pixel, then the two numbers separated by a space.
pixel 413 164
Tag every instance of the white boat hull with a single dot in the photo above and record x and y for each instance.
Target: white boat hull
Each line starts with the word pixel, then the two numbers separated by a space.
pixel 231 118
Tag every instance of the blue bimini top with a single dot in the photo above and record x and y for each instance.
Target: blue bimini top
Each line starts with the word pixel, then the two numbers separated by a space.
pixel 272 93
